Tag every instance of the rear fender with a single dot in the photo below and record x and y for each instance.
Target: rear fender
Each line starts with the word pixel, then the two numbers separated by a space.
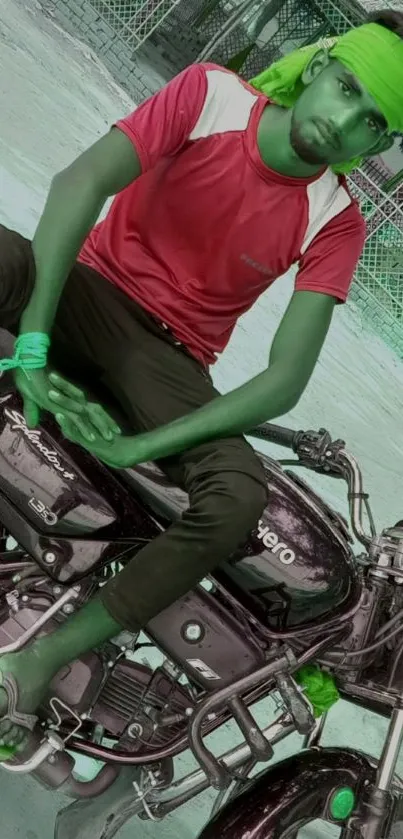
pixel 290 794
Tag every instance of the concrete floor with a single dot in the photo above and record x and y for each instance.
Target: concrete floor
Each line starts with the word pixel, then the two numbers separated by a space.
pixel 55 99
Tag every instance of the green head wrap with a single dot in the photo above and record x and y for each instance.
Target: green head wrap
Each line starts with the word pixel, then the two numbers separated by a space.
pixel 373 53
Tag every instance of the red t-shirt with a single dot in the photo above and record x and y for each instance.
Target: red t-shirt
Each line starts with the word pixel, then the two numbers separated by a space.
pixel 208 226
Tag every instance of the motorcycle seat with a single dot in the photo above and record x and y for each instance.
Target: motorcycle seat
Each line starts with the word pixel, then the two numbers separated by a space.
pixel 157 491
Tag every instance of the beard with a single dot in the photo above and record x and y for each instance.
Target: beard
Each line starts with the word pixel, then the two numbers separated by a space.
pixel 303 148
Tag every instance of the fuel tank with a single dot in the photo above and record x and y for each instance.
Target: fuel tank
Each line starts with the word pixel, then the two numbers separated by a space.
pixel 65 508
pixel 297 571
pixel 72 514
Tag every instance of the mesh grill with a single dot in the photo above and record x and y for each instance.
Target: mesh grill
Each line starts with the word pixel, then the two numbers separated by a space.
pixel 378 281
pixel 134 20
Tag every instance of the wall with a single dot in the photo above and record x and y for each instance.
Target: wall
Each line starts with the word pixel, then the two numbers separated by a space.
pixel 140 74
pixel 377 317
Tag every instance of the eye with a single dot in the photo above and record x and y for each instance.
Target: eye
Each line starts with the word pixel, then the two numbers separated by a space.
pixel 345 87
pixel 373 125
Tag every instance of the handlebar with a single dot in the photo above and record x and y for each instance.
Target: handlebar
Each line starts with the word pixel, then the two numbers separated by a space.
pixel 275 434
pixel 315 450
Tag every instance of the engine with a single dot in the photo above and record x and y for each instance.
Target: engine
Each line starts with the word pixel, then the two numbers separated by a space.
pixel 126 700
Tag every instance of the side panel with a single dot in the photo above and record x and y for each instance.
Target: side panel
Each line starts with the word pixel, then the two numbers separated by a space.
pixel 213 647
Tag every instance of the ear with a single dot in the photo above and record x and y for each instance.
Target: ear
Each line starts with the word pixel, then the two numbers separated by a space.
pixel 317 64
pixel 386 142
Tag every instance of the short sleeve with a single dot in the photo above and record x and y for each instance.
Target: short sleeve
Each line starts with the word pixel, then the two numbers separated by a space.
pixel 329 262
pixel 161 125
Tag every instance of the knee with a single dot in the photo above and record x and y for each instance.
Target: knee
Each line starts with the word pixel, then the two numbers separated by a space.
pixel 232 504
pixel 247 499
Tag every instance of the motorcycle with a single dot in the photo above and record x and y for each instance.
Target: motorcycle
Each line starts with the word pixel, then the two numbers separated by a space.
pixel 294 615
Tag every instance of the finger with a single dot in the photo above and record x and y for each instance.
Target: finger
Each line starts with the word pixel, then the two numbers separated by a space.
pixel 78 429
pixel 21 737
pixel 13 736
pixel 102 422
pixel 22 745
pixel 85 428
pixel 108 419
pixel 31 412
pixel 5 728
pixel 67 387
pixel 66 402
pixel 68 428
pixel 100 411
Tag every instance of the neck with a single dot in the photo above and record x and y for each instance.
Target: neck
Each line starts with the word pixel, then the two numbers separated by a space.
pixel 275 147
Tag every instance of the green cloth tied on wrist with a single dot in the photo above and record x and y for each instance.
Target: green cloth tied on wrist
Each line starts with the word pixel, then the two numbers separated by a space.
pixel 30 353
pixel 373 53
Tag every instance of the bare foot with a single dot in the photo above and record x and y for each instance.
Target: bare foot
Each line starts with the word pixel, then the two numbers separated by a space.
pixel 32 679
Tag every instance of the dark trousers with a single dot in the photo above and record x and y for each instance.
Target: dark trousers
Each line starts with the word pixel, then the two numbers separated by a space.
pixel 101 337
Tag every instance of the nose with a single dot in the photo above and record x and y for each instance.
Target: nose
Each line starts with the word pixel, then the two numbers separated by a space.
pixel 346 121
pixel 336 132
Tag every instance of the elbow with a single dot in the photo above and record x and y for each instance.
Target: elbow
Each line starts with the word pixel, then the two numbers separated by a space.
pixel 291 401
pixel 294 392
pixel 69 176
pixel 289 388
pixel 279 403
pixel 290 395
pixel 63 181
pixel 290 383
pixel 78 184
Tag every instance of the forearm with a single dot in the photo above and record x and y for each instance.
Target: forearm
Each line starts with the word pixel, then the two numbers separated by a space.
pixel 70 212
pixel 264 397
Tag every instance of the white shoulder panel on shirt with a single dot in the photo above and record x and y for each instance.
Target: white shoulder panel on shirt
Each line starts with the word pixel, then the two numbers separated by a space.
pixel 327 199
pixel 227 107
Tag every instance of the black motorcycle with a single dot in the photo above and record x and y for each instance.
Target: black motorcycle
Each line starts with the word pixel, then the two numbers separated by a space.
pixel 292 610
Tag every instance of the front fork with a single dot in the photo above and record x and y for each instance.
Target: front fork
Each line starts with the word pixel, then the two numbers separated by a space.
pixel 379 803
pixel 301 789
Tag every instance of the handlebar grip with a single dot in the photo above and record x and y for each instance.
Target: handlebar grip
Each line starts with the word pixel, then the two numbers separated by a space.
pixel 274 434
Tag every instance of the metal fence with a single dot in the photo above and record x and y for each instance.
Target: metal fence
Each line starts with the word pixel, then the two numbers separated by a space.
pixel 379 276
pixel 135 20
pixel 229 32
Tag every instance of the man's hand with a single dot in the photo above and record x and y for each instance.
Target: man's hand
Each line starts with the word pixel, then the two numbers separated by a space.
pixel 120 453
pixel 41 389
pixel 34 387
pixel 90 419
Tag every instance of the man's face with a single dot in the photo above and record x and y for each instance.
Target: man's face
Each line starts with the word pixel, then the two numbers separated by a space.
pixel 335 119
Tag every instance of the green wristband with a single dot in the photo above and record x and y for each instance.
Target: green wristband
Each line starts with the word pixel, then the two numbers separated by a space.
pixel 30 352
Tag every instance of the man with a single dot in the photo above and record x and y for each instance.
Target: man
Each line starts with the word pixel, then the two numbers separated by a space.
pixel 219 191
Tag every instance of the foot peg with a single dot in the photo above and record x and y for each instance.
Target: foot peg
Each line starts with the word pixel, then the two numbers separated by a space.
pixel 295 703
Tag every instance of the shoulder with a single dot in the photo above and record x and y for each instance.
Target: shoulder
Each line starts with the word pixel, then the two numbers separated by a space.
pixel 349 222
pixel 333 213
pixel 228 101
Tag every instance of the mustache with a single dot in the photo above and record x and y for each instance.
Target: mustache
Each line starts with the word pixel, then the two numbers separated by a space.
pixel 329 131
pixel 305 151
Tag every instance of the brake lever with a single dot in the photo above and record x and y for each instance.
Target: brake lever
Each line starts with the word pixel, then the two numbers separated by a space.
pixel 316 451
